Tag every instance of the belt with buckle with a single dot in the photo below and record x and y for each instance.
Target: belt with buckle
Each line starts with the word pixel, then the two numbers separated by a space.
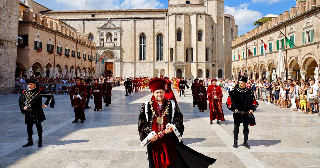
pixel 241 112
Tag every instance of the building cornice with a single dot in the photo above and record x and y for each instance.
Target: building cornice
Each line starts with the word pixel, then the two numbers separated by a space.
pixel 278 26
pixel 108 11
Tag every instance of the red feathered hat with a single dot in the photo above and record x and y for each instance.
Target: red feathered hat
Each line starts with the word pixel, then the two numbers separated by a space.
pixel 214 79
pixel 157 84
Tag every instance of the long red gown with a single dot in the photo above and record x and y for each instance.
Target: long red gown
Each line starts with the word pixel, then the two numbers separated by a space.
pixel 97 96
pixel 215 105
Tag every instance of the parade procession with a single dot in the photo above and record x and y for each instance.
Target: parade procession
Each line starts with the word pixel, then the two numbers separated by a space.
pixel 159 84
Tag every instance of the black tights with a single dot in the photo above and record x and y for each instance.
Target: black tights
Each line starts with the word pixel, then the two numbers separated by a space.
pixel 245 131
pixel 30 130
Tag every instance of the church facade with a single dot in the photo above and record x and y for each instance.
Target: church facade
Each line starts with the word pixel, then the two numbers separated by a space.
pixel 189 39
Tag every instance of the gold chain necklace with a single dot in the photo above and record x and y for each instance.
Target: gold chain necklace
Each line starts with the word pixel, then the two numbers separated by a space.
pixel 160 120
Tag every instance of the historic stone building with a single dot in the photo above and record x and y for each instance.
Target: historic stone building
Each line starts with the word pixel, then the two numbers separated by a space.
pixel 8 39
pixel 301 26
pixel 48 47
pixel 189 39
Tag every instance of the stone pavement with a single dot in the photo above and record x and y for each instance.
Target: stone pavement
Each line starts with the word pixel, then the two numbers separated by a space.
pixel 109 138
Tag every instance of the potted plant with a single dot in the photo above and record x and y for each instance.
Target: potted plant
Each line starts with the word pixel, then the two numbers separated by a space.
pixel 39 49
pixel 51 51
pixel 60 53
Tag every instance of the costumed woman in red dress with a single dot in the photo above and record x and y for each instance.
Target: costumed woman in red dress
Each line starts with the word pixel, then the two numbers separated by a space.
pixel 160 126
pixel 215 102
pixel 97 93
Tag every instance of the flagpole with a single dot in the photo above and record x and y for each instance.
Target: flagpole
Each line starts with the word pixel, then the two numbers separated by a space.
pixel 247 59
pixel 288 38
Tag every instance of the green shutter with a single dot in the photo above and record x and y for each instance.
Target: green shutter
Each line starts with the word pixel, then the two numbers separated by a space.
pixel 278 46
pixel 270 47
pixel 255 51
pixel 243 54
pixel 234 57
pixel 311 35
pixel 282 44
pixel 40 45
pixel 292 40
pixel 48 47
pixel 303 37
pixel 261 48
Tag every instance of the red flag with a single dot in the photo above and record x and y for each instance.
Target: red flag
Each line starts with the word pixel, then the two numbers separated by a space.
pixel 239 57
pixel 265 48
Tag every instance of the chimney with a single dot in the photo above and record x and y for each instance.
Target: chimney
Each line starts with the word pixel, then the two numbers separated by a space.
pixel 37 18
pixel 285 15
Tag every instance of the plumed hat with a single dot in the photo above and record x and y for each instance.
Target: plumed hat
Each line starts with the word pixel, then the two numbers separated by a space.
pixel 243 79
pixel 157 84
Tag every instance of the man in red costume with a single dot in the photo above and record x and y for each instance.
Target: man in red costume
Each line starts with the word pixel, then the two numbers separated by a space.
pixel 78 95
pixel 215 102
pixel 160 126
pixel 97 93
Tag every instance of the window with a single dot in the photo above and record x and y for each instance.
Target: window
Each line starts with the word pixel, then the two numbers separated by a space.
pixel 160 47
pixel 171 54
pixel 261 48
pixel 280 44
pixel 187 2
pixel 242 54
pixel 85 56
pixel 270 47
pixel 308 36
pixel 191 54
pixel 102 42
pixel 179 35
pixel 254 51
pixel 73 53
pixel 90 37
pixel 23 40
pixel 78 55
pixel 207 54
pixel 67 52
pixel 187 55
pixel 142 47
pixel 292 38
pixel 59 50
pixel 50 48
pixel 37 45
pixel 200 35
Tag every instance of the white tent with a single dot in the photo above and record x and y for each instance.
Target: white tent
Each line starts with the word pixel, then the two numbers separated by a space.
pixel 281 65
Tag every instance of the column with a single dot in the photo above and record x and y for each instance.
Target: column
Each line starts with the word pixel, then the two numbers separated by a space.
pixel 303 74
pixel 290 74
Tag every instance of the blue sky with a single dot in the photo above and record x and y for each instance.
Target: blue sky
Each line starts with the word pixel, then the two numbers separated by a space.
pixel 245 11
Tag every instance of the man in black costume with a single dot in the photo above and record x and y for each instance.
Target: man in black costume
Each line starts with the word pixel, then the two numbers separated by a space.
pixel 89 95
pixel 31 106
pixel 242 102
pixel 128 86
pixel 182 86
pixel 160 126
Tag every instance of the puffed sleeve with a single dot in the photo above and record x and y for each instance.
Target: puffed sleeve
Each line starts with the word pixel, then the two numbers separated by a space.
pixel 143 127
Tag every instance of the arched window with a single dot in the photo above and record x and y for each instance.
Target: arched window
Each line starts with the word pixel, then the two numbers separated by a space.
pixel 160 47
pixel 220 73
pixel 90 36
pixel 171 54
pixel 179 35
pixel 207 73
pixel 199 35
pixel 142 47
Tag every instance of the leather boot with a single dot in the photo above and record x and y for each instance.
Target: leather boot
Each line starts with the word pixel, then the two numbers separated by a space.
pixel 40 142
pixel 235 144
pixel 245 143
pixel 30 142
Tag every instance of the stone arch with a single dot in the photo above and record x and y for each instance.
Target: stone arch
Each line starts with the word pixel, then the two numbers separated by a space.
pixel 307 58
pixel 108 37
pixel 20 70
pixel 309 65
pixel 220 74
pixel 162 72
pixel 37 69
pixel 65 71
pixel 108 54
pixel 156 73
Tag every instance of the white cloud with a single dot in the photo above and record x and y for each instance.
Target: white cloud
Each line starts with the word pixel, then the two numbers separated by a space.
pixel 267 1
pixel 243 16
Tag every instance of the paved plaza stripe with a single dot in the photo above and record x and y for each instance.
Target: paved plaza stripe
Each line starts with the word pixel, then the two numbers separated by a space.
pixel 243 154
pixel 15 146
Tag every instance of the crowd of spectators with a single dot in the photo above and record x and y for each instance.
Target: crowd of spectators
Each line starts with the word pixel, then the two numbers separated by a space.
pixel 59 85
